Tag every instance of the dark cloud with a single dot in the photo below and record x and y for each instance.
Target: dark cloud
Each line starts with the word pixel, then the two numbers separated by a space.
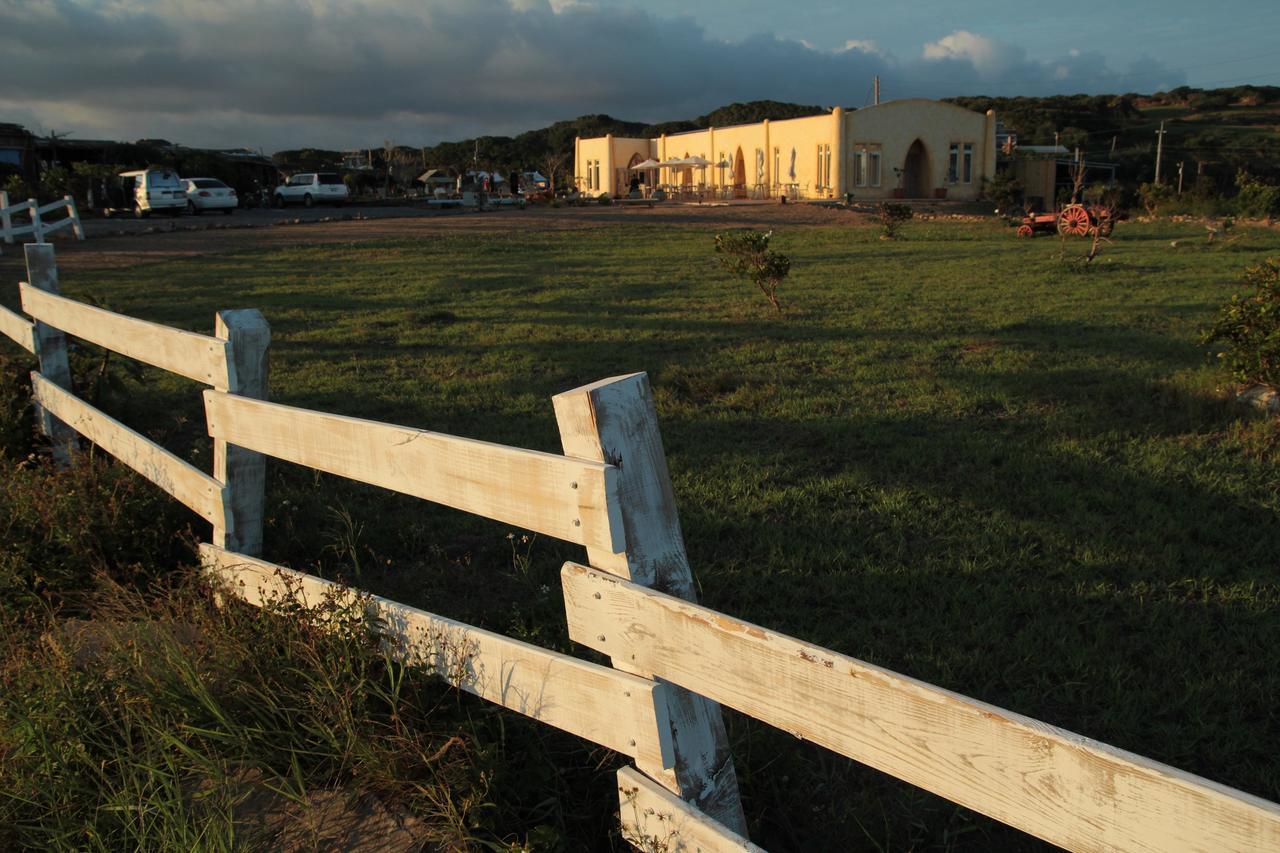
pixel 335 73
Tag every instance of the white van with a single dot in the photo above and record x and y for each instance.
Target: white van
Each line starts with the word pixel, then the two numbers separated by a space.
pixel 143 191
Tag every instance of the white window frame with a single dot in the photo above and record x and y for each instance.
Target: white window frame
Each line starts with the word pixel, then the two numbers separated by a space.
pixel 953 164
pixel 966 155
pixel 873 162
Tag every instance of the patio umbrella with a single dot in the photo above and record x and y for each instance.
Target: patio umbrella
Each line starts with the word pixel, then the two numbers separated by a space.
pixel 700 162
pixel 646 164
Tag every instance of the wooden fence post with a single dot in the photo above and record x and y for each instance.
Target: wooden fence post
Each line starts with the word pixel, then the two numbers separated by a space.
pixel 614 421
pixel 51 348
pixel 74 215
pixel 36 225
pixel 6 221
pixel 241 471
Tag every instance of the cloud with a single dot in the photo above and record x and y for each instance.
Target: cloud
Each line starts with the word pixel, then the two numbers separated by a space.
pixel 987 56
pixel 341 73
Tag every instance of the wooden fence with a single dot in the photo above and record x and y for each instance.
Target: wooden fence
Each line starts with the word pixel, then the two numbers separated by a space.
pixel 38 226
pixel 674 662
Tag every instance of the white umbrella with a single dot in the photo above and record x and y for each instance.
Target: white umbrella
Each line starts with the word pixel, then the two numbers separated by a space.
pixel 647 164
pixel 674 163
pixel 700 162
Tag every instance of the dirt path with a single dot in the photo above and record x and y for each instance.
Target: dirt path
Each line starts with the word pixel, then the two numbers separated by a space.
pixel 181 238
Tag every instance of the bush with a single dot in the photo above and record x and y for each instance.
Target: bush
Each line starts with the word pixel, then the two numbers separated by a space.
pixel 1006 191
pixel 1249 327
pixel 18 189
pixel 891 218
pixel 1155 197
pixel 1256 199
pixel 747 256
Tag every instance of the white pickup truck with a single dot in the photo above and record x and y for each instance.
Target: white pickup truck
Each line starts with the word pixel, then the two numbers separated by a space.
pixel 310 188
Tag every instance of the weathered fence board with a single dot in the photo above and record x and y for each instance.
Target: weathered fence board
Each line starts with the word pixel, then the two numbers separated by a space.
pixel 243 471
pixel 200 357
pixel 607 707
pixel 570 499
pixel 653 818
pixel 19 328
pixel 1065 788
pixel 615 420
pixel 51 347
pixel 188 484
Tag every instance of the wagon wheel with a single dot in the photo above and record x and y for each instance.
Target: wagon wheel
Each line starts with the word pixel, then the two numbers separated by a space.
pixel 1074 219
pixel 1026 231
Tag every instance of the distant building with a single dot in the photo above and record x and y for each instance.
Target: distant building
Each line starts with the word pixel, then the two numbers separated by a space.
pixel 912 148
pixel 17 152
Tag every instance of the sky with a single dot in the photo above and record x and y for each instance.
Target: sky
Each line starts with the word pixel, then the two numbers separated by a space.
pixel 275 74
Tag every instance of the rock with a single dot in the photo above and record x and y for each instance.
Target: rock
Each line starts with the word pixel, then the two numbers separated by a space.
pixel 1262 397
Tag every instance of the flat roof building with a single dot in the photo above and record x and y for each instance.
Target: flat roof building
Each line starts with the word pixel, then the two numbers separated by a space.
pixel 913 148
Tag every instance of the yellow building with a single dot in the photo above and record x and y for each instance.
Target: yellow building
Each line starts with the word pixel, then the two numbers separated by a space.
pixel 913 148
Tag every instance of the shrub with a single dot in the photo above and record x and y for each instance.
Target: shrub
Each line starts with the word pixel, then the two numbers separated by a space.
pixel 1249 327
pixel 18 189
pixel 1255 198
pixel 1006 191
pixel 1155 197
pixel 891 218
pixel 747 256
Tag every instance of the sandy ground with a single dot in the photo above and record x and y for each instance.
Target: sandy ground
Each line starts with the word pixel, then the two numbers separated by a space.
pixel 160 239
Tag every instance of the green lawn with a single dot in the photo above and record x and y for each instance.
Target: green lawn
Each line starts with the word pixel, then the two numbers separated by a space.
pixel 953 456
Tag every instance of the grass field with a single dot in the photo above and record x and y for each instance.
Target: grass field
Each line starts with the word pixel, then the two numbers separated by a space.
pixel 954 455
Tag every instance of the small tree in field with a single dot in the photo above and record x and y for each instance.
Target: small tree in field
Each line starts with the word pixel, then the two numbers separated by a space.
pixel 747 256
pixel 1248 329
pixel 891 218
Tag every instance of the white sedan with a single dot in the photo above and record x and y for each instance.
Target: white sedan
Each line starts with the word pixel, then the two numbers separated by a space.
pixel 210 194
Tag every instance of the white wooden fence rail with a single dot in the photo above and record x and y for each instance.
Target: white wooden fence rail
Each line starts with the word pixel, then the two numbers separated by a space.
pixel 559 496
pixel 39 226
pixel 1062 787
pixel 673 660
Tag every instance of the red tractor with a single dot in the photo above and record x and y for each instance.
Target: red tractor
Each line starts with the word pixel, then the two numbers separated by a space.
pixel 1075 219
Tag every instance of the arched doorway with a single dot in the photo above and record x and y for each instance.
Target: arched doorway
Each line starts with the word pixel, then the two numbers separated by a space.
pixel 739 175
pixel 915 172
pixel 630 173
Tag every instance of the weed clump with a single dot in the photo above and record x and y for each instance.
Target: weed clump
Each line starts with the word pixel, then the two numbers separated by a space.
pixel 1248 328
pixel 747 256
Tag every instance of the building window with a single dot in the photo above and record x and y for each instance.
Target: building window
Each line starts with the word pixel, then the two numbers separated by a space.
pixel 597 175
pixel 953 164
pixel 968 163
pixel 824 166
pixel 866 165
pixel 777 164
pixel 588 175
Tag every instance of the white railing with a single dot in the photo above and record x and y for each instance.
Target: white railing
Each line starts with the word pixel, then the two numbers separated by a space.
pixel 672 659
pixel 39 226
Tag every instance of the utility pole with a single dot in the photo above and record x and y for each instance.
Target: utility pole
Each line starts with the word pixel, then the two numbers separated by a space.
pixel 876 89
pixel 1179 177
pixel 1113 147
pixel 1159 149
pixel 1055 141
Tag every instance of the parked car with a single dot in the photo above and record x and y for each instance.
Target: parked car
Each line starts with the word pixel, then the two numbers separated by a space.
pixel 311 188
pixel 210 194
pixel 143 192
